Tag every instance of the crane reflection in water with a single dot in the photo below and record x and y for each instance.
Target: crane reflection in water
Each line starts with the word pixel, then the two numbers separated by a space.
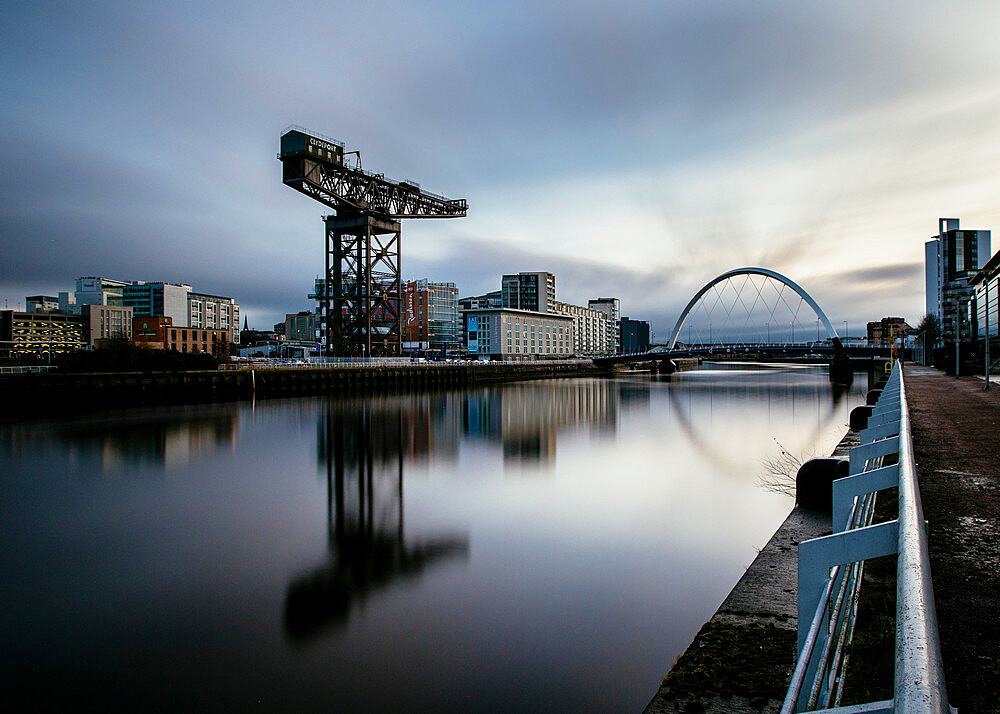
pixel 362 445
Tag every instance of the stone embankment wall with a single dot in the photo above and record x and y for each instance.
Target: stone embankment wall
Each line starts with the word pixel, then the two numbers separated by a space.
pixel 79 392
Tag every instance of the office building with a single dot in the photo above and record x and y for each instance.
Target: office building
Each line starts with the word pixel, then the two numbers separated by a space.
pixel 503 333
pixel 431 320
pixel 158 299
pixel 150 332
pixel 611 307
pixel 98 291
pixel 952 258
pixel 183 306
pixel 106 322
pixel 634 336
pixel 41 303
pixel 590 329
pixel 301 326
pixel 535 292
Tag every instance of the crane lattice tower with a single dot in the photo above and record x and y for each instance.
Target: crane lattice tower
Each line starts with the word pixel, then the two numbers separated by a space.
pixel 361 302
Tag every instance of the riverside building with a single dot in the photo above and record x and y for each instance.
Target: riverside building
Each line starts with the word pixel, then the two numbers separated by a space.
pixel 177 301
pixel 504 333
pixel 611 307
pixel 431 320
pixel 952 258
pixel 535 291
pixel 590 329
pixel 635 336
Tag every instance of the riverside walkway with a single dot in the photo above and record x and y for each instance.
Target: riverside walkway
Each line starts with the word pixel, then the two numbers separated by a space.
pixel 956 441
pixel 955 425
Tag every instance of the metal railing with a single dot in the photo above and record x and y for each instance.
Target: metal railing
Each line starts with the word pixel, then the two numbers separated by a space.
pixel 326 362
pixel 831 567
pixel 30 369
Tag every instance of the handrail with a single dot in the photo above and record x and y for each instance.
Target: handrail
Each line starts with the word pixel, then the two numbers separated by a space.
pixel 919 674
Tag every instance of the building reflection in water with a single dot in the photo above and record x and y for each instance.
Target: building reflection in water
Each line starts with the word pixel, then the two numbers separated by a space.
pixel 166 438
pixel 526 418
pixel 362 445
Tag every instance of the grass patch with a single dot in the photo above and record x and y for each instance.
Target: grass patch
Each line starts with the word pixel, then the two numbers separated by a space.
pixel 750 661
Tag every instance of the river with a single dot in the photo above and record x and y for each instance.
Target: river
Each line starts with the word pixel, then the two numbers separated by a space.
pixel 537 546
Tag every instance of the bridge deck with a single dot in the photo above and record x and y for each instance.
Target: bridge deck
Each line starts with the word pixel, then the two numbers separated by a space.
pixel 955 425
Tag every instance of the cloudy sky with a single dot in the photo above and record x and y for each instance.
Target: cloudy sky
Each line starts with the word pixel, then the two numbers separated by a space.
pixel 635 149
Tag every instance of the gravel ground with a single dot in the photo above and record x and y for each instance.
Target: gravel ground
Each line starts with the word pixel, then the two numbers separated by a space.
pixel 956 424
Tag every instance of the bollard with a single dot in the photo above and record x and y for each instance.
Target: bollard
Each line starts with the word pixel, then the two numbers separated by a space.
pixel 814 483
pixel 859 417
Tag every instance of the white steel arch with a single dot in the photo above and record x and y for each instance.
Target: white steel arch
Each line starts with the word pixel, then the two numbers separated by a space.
pixel 830 332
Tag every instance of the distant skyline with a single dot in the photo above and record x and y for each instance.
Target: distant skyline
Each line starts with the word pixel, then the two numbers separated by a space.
pixel 635 149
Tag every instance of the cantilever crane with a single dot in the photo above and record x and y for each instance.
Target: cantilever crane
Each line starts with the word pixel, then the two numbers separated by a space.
pixel 362 299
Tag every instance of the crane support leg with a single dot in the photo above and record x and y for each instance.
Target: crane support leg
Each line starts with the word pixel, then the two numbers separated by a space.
pixel 362 301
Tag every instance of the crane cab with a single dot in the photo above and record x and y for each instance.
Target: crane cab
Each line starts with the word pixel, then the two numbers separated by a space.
pixel 297 143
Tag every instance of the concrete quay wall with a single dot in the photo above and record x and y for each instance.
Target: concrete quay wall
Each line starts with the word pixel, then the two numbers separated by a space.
pixel 33 393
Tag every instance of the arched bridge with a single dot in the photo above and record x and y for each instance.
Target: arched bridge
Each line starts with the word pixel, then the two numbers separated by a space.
pixel 748 341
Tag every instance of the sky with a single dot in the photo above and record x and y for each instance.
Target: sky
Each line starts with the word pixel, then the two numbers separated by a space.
pixel 634 149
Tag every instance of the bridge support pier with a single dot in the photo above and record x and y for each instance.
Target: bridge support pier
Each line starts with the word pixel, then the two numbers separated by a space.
pixel 665 366
pixel 841 369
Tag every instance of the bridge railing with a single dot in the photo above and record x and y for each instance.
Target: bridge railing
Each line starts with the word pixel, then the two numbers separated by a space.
pixel 831 567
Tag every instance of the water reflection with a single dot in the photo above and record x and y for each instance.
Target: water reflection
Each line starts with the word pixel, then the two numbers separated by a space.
pixel 164 438
pixel 710 405
pixel 362 446
pixel 526 420
pixel 382 554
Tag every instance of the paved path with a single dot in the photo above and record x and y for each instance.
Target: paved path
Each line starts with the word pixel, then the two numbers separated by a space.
pixel 956 439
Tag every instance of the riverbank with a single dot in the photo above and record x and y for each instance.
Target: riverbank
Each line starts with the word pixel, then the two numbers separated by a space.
pixel 741 660
pixel 75 392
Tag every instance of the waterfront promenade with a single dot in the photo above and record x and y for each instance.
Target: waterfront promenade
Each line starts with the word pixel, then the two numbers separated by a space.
pixel 955 423
pixel 955 426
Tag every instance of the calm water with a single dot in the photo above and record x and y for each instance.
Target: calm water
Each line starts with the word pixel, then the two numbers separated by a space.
pixel 542 546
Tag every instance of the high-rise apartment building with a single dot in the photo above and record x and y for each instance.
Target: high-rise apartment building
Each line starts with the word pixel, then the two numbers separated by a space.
pixel 431 320
pixel 535 292
pixel 590 329
pixel 611 307
pixel 214 312
pixel 951 258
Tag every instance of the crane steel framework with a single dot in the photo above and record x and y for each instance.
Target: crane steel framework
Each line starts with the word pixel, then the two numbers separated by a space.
pixel 360 304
